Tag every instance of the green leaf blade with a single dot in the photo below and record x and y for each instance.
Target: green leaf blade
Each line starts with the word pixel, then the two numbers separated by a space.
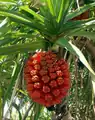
pixel 63 42
pixel 21 48
pixel 36 15
pixel 79 11
pixel 51 7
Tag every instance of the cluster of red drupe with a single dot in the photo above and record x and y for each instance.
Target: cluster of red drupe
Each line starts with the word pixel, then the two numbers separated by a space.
pixel 47 78
pixel 83 16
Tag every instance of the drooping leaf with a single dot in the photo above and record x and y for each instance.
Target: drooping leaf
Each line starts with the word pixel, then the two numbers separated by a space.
pixel 75 27
pixel 82 58
pixel 88 34
pixel 16 17
pixel 19 18
pixel 73 49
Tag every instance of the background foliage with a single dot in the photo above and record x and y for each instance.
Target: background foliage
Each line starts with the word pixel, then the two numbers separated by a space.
pixel 27 26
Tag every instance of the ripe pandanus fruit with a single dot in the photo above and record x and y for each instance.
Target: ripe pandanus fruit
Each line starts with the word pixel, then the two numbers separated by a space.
pixel 47 78
pixel 82 16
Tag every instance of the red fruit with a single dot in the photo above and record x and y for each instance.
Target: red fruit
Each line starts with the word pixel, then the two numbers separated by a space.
pixel 48 97
pixel 27 76
pixel 28 81
pixel 82 16
pixel 44 68
pixel 35 95
pixel 54 60
pixel 61 62
pixel 33 72
pixel 53 84
pixel 29 63
pixel 57 101
pixel 56 92
pixel 53 75
pixel 28 69
pixel 49 61
pixel 37 67
pixel 30 87
pixel 46 89
pixel 43 58
pixel 51 69
pixel 60 81
pixel 63 92
pixel 35 78
pixel 33 57
pixel 45 79
pixel 48 52
pixel 48 57
pixel 41 101
pixel 43 72
pixel 66 74
pixel 34 62
pixel 63 67
pixel 53 55
pixel 49 65
pixel 37 85
pixel 56 68
pixel 43 63
pixel 43 54
pixel 59 73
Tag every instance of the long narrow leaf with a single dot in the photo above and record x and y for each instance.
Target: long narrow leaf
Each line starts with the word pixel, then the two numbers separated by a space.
pixel 70 25
pixel 88 34
pixel 79 11
pixel 73 49
pixel 65 8
pixel 82 58
pixel 61 10
pixel 4 27
pixel 4 41
pixel 78 26
pixel 17 18
pixel 36 15
pixel 51 7
pixel 4 22
pixel 7 2
pixel 21 48
pixel 14 16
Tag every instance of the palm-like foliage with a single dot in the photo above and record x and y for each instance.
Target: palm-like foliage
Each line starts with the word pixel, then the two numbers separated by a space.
pixel 25 27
